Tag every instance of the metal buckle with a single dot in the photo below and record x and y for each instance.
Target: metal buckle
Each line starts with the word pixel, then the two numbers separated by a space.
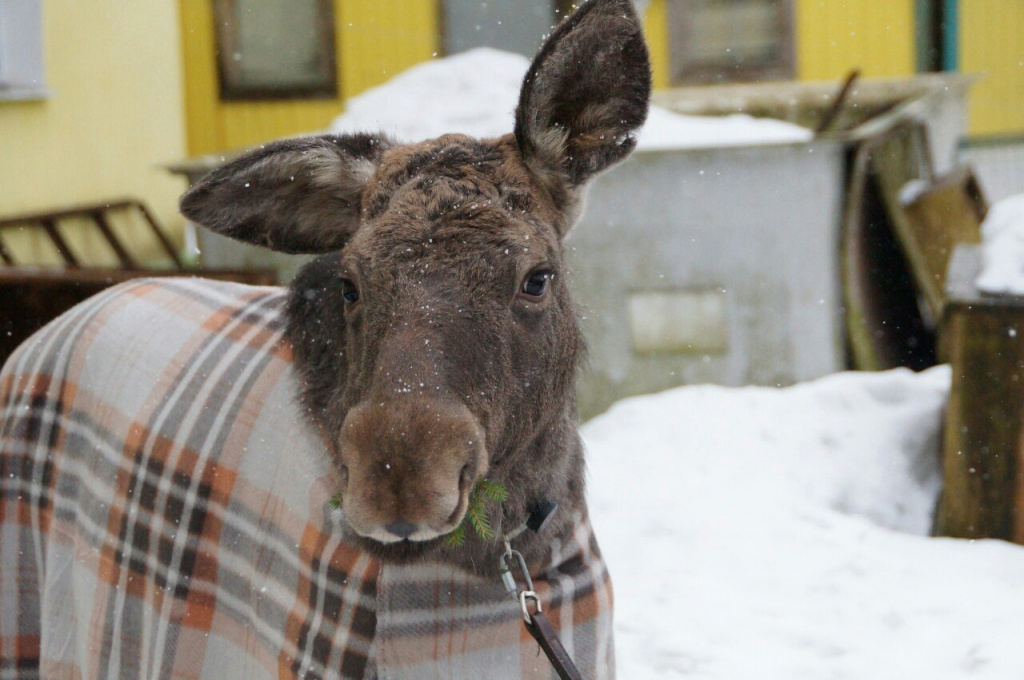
pixel 523 597
pixel 509 579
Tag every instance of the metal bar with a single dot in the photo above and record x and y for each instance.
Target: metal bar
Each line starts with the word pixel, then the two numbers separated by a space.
pixel 837 105
pixel 50 225
pixel 950 35
pixel 104 226
pixel 161 236
pixel 927 32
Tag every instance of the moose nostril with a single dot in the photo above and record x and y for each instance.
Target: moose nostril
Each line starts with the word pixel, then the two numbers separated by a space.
pixel 401 528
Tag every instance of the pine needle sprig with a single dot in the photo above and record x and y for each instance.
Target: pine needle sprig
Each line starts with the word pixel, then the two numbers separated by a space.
pixel 478 520
pixel 493 491
pixel 457 538
pixel 477 516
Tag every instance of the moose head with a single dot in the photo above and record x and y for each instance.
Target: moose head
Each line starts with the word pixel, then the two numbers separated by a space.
pixel 435 339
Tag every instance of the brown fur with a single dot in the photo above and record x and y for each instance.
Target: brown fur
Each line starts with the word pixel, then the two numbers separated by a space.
pixel 444 371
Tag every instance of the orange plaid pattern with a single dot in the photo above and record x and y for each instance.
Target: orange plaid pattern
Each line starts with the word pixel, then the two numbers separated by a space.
pixel 164 513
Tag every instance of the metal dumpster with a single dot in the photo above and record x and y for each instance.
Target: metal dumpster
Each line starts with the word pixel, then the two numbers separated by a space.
pixel 721 265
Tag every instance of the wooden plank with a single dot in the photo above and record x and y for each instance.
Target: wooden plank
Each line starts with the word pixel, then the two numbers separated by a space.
pixel 51 229
pixel 982 497
pixel 161 236
pixel 65 212
pixel 983 340
pixel 946 214
pixel 98 213
pixel 100 218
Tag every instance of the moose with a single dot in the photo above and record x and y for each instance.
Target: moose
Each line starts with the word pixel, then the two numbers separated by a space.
pixel 154 440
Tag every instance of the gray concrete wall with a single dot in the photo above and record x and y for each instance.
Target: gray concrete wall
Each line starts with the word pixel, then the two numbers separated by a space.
pixel 747 238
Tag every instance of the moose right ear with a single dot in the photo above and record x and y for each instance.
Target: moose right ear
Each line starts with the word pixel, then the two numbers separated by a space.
pixel 299 195
pixel 585 96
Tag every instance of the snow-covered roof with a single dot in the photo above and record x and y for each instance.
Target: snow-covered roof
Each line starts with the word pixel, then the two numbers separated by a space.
pixel 475 93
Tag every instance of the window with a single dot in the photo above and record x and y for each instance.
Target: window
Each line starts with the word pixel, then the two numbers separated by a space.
pixel 515 26
pixel 21 50
pixel 276 49
pixel 730 40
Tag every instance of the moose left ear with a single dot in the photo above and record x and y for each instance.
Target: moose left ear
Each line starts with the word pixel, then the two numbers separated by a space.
pixel 300 195
pixel 586 94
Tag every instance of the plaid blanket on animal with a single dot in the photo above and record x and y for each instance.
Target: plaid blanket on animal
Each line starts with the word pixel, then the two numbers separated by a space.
pixel 164 513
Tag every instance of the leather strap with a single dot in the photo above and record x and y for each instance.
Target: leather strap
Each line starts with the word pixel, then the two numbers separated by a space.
pixel 545 634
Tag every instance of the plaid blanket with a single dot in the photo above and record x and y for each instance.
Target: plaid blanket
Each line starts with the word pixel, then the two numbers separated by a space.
pixel 164 513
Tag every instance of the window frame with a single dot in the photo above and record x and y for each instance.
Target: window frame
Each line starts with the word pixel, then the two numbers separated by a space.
pixel 685 71
pixel 228 71
pixel 22 63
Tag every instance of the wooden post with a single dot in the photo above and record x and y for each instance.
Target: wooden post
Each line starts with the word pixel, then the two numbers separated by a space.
pixel 983 340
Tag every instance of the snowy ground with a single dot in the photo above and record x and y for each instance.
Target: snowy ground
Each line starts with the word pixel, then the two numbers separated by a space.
pixel 475 93
pixel 782 533
pixel 1003 250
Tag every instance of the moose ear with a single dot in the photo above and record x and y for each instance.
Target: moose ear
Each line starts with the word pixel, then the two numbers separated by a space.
pixel 299 195
pixel 586 93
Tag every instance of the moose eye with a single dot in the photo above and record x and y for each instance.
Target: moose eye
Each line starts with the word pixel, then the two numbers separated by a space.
pixel 349 292
pixel 536 284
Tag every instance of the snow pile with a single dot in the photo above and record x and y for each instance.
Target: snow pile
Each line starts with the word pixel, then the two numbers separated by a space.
pixel 667 130
pixel 1003 249
pixel 476 92
pixel 473 92
pixel 762 533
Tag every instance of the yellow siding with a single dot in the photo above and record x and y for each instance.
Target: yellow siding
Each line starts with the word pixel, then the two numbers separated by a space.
pixel 992 44
pixel 832 38
pixel 115 112
pixel 376 40
pixel 656 31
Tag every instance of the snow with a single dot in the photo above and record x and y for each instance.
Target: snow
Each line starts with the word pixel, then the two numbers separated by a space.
pixel 782 533
pixel 667 130
pixel 912 190
pixel 1002 234
pixel 475 93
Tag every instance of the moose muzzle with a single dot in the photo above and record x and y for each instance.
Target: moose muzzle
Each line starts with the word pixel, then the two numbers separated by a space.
pixel 411 462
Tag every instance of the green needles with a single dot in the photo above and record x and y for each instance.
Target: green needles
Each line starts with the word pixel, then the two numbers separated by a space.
pixel 477 515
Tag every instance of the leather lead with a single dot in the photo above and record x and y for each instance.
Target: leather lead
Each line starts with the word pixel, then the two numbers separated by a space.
pixel 546 635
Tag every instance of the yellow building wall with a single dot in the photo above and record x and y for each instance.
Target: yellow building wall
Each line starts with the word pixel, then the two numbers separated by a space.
pixel 876 36
pixel 114 114
pixel 376 39
pixel 656 32
pixel 833 38
pixel 991 43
